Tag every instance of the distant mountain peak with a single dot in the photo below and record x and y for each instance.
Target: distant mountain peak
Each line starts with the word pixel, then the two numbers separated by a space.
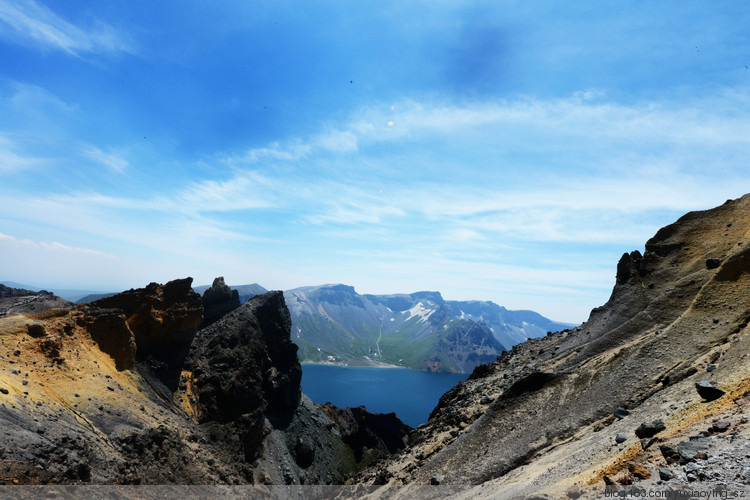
pixel 430 296
pixel 335 324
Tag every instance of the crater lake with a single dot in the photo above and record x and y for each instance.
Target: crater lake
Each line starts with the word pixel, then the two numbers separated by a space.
pixel 411 394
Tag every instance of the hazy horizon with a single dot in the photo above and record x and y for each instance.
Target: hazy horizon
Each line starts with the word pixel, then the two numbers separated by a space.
pixel 504 151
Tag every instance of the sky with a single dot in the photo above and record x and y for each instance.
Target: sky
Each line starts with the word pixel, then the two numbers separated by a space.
pixel 498 150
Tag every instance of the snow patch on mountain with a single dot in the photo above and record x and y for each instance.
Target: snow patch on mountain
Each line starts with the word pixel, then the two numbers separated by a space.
pixel 419 310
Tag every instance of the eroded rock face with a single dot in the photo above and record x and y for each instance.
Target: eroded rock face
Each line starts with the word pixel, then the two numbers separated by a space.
pixel 163 318
pixel 245 363
pixel 109 329
pixel 218 300
pixel 677 308
pixel 243 369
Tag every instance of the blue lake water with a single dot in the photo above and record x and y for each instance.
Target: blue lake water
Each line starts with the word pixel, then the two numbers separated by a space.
pixel 412 394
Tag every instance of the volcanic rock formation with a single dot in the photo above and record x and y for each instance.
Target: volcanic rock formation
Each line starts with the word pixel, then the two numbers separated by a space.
pixel 163 319
pixel 542 417
pixel 127 389
pixel 218 300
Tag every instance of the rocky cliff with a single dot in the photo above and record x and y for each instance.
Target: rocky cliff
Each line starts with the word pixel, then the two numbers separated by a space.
pixel 612 401
pixel 130 389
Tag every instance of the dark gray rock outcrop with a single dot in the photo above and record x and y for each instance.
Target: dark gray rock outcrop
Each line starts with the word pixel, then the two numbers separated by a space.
pixel 650 429
pixel 6 291
pixel 244 365
pixel 21 301
pixel 218 300
pixel 665 473
pixel 621 413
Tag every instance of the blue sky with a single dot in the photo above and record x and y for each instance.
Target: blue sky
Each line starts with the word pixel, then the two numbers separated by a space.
pixel 506 150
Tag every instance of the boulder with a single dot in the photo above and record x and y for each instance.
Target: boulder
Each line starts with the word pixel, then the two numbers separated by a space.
pixel 621 413
pixel 304 452
pixel 712 263
pixel 665 474
pixel 670 453
pixel 720 426
pixel 36 329
pixel 708 390
pixel 650 429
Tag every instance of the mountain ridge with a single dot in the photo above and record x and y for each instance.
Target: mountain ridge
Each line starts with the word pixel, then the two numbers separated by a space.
pixel 419 330
pixel 334 324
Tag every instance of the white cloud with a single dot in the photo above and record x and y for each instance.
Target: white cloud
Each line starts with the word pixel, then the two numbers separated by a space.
pixel 275 151
pixel 113 161
pixel 27 97
pixel 53 247
pixel 32 23
pixel 338 141
pixel 245 191
pixel 10 159
pixel 640 165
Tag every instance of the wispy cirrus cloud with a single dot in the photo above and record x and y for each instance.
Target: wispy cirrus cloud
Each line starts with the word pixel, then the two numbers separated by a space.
pixel 28 99
pixel 527 167
pixel 113 161
pixel 488 168
pixel 54 246
pixel 10 159
pixel 32 23
pixel 247 190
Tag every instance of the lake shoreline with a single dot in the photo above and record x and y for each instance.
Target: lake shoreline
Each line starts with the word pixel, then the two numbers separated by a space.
pixel 379 365
pixel 344 365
